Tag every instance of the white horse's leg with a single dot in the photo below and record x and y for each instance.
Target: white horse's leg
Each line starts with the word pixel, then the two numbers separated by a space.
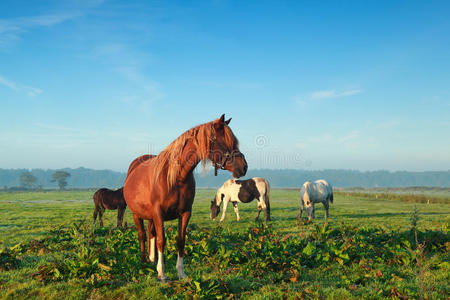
pixel 311 211
pixel 236 211
pixel 225 205
pixel 326 208
pixel 302 206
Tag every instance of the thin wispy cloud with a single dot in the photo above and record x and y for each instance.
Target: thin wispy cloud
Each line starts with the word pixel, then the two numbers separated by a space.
pixel 350 136
pixel 55 127
pixel 11 30
pixel 20 88
pixel 305 99
pixel 8 83
pixel 128 62
pixel 44 20
pixel 228 84
pixel 331 94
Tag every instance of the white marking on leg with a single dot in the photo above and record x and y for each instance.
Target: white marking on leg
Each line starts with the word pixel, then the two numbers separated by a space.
pixel 180 267
pixel 160 266
pixel 152 250
pixel 262 203
pixel 236 210
pixel 225 205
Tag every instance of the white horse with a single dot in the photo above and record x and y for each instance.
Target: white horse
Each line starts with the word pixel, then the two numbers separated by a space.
pixel 315 192
pixel 242 191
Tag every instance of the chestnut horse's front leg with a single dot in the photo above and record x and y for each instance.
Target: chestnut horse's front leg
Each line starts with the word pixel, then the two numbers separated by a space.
pixel 183 221
pixel 158 222
pixel 141 234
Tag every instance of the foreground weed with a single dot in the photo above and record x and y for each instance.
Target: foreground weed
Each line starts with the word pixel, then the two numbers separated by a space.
pixel 353 260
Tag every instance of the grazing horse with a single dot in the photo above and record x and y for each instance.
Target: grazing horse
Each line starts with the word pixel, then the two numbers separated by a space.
pixel 162 188
pixel 243 191
pixel 109 199
pixel 315 192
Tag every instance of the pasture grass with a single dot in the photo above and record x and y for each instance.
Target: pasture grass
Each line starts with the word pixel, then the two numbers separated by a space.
pixel 368 249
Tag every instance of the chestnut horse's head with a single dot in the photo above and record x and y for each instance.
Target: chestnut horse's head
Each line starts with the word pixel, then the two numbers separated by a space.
pixel 224 149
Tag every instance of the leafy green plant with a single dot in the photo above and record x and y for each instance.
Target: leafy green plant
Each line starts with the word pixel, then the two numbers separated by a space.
pixel 8 259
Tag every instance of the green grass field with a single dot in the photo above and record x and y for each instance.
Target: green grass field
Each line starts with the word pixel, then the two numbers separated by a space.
pixel 367 250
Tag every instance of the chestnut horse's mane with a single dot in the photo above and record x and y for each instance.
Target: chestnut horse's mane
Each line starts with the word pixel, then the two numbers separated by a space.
pixel 201 135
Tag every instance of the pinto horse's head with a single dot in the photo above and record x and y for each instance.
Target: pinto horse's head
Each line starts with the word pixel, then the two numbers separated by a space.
pixel 224 149
pixel 215 205
pixel 215 209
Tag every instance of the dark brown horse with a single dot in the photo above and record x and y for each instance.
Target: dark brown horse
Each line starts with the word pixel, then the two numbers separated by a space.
pixel 162 188
pixel 109 199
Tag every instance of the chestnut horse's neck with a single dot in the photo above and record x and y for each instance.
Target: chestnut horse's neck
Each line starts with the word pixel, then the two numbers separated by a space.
pixel 189 159
pixel 180 158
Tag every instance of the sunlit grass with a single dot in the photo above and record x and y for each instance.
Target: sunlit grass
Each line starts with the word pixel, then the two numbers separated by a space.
pixel 25 217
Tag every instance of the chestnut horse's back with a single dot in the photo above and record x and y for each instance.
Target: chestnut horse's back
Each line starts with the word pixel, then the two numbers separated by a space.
pixel 138 161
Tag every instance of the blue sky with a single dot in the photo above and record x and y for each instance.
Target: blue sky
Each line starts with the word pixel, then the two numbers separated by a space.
pixel 309 84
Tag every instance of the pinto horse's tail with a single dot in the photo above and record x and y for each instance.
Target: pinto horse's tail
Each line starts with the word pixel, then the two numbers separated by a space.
pixel 331 197
pixel 267 216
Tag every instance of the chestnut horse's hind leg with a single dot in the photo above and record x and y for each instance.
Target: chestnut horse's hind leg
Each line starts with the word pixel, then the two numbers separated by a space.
pixel 327 206
pixel 151 242
pixel 120 213
pixel 141 234
pixel 183 221
pixel 302 206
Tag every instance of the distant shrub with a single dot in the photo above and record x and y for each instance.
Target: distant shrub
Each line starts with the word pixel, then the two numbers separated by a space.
pixel 414 198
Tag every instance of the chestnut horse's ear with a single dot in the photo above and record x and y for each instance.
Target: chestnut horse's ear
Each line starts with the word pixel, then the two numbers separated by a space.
pixel 218 124
pixel 228 121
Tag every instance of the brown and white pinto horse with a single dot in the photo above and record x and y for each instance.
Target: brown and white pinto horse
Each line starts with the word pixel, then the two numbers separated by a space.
pixel 242 191
pixel 109 199
pixel 163 187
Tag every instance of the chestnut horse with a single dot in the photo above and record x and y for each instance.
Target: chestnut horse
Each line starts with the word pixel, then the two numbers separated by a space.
pixel 162 188
pixel 109 199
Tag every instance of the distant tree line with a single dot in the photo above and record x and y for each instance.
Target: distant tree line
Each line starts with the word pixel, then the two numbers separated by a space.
pixel 28 181
pixel 89 178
